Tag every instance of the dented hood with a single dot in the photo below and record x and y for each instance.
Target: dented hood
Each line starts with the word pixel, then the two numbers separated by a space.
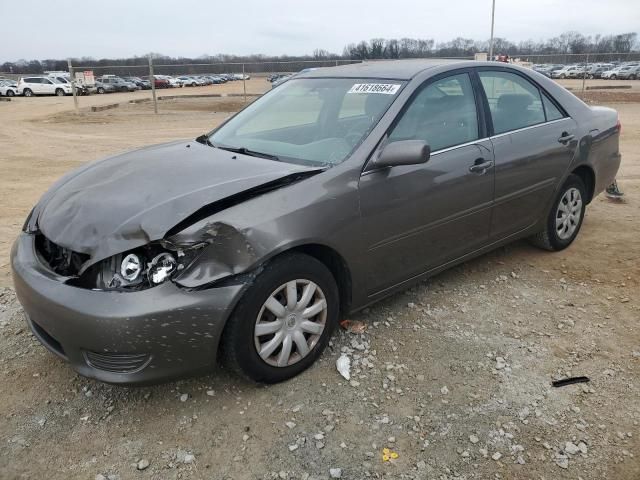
pixel 126 201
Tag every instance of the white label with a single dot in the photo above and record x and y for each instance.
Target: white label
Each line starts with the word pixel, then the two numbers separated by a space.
pixel 383 88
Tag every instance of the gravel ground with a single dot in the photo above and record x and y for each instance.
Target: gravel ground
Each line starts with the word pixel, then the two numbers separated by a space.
pixel 451 379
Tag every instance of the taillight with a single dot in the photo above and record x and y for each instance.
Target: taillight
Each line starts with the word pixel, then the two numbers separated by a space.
pixel 619 126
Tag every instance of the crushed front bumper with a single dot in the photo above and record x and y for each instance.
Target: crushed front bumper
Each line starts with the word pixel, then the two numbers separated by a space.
pixel 139 337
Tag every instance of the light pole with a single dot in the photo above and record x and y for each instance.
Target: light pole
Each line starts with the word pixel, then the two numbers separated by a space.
pixel 493 14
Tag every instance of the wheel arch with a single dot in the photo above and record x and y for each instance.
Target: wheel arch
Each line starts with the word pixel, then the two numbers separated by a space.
pixel 588 176
pixel 336 265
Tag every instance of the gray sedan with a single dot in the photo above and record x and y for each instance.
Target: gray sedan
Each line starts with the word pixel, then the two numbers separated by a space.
pixel 329 193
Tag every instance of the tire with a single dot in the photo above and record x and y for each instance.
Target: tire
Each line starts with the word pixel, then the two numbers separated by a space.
pixel 554 238
pixel 632 77
pixel 563 76
pixel 10 93
pixel 100 90
pixel 27 92
pixel 239 344
pixel 613 77
pixel 59 92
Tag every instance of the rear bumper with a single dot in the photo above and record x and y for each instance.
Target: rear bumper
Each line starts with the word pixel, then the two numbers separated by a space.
pixel 141 337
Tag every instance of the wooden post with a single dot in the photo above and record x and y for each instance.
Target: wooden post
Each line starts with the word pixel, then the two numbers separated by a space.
pixel 72 78
pixel 152 80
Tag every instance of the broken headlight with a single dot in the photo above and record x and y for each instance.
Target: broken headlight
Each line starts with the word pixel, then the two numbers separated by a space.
pixel 142 268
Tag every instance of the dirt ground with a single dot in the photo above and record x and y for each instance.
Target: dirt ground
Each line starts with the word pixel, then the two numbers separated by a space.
pixel 453 375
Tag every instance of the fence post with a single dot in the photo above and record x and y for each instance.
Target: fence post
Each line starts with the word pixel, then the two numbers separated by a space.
pixel 244 84
pixel 584 73
pixel 72 77
pixel 152 80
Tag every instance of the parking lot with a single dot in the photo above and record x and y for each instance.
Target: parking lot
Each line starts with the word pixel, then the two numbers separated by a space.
pixel 453 375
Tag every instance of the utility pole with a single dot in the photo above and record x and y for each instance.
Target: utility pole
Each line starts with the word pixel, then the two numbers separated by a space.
pixel 493 14
pixel 152 80
pixel 72 77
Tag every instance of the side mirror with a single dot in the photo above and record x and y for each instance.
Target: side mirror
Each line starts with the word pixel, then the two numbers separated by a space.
pixel 403 152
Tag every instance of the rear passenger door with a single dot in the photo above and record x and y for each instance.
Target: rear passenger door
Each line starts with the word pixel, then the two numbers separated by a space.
pixel 533 143
pixel 46 86
pixel 418 217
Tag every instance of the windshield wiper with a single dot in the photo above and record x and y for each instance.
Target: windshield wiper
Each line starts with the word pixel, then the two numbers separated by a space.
pixel 203 139
pixel 246 151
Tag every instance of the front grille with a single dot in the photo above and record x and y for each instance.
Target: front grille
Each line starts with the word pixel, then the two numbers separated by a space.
pixel 60 259
pixel 117 362
pixel 47 340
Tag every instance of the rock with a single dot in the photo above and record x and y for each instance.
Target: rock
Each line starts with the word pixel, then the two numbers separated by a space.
pixel 571 448
pixel 496 456
pixel 474 439
pixel 562 460
pixel 421 465
pixel 290 425
pixel 184 397
pixel 319 436
pixel 335 472
pixel 583 448
pixel 444 390
pixel 189 458
pixel 142 464
pixel 343 365
pixel 245 437
pixel 100 477
pixel 211 393
pixel 293 447
pixel 500 363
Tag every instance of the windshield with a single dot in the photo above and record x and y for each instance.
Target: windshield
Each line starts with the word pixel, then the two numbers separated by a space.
pixel 309 121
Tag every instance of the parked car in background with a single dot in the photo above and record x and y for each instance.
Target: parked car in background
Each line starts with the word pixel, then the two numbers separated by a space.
pixel 118 83
pixel 142 84
pixel 189 81
pixel 631 73
pixel 8 88
pixel 614 73
pixel 101 88
pixel 161 82
pixel 42 85
pixel 80 89
pixel 597 69
pixel 565 72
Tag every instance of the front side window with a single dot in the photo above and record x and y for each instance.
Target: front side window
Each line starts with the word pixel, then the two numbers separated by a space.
pixel 443 114
pixel 514 101
pixel 315 121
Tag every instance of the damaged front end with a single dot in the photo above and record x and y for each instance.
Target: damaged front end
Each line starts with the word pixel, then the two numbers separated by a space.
pixel 138 269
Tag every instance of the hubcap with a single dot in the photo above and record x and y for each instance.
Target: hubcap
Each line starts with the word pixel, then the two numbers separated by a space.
pixel 290 323
pixel 568 213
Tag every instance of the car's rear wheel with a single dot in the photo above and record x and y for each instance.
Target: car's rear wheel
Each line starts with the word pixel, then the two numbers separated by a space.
pixel 284 320
pixel 613 77
pixel 565 217
pixel 27 92
pixel 100 90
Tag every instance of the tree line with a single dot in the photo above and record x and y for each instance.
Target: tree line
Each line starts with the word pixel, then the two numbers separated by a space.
pixel 378 48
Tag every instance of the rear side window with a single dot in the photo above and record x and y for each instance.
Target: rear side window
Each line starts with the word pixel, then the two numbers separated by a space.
pixel 514 102
pixel 552 112
pixel 32 80
pixel 443 114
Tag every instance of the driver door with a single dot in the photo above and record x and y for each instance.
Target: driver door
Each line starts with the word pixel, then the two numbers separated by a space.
pixel 418 217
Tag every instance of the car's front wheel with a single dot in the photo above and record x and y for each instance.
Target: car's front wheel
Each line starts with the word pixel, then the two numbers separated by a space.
pixel 565 217
pixel 284 320
pixel 10 93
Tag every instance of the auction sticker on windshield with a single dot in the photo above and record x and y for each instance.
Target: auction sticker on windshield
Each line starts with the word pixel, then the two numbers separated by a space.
pixel 384 88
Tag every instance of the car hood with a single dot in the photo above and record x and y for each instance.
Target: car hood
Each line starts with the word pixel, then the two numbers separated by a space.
pixel 123 202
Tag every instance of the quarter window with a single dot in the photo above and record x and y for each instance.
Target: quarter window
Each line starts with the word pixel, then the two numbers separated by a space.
pixel 552 112
pixel 443 114
pixel 514 102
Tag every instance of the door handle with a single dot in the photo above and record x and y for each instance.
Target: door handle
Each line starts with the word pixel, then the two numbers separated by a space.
pixel 480 166
pixel 566 138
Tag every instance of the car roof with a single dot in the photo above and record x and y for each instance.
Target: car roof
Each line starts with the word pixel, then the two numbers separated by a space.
pixel 392 69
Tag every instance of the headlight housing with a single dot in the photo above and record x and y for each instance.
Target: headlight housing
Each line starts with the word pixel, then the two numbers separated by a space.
pixel 138 269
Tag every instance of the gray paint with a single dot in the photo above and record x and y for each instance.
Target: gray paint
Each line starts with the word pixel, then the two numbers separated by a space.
pixel 389 226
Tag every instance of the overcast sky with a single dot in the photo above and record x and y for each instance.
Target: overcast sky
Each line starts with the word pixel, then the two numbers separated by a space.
pixel 40 29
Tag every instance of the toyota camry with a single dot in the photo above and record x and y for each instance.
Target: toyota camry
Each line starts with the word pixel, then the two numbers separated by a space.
pixel 335 189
